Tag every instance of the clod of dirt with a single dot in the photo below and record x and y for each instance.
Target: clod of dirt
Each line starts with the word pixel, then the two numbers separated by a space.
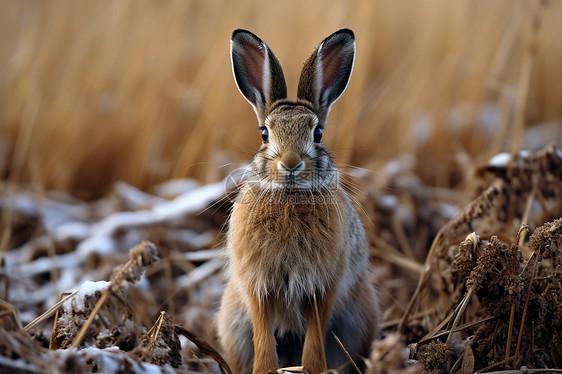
pixel 123 336
pixel 76 311
pixel 161 344
pixel 436 358
pixel 116 312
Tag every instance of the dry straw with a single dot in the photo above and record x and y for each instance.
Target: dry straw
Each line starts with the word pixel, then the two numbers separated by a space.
pixel 138 91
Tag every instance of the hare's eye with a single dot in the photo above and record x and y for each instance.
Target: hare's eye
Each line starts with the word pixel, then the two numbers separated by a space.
pixel 264 134
pixel 317 134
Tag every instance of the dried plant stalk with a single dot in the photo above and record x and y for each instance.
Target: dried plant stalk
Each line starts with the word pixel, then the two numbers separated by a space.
pixel 346 353
pixel 206 349
pixel 140 257
pixel 12 313
pixel 48 312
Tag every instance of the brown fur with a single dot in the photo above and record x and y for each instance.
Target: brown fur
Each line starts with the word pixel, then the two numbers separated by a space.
pixel 275 240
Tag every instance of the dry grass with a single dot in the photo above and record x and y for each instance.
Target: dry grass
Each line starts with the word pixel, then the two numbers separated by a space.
pixel 93 92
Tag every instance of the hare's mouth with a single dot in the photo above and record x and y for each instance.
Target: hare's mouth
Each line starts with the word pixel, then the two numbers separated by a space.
pixel 290 184
pixel 297 177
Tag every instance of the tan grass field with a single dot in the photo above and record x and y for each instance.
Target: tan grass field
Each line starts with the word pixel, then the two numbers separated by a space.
pixel 97 91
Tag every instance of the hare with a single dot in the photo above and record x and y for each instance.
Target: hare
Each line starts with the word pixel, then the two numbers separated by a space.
pixel 298 256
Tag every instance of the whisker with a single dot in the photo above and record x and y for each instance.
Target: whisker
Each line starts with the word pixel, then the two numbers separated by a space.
pixel 360 168
pixel 360 206
pixel 219 203
pixel 353 187
pixel 338 209
pixel 351 176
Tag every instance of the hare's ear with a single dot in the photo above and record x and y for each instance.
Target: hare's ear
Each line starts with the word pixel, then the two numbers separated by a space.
pixel 326 72
pixel 257 72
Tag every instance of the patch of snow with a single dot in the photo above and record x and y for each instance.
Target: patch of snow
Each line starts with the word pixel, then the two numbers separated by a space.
pixel 393 167
pixel 190 202
pixel 19 363
pixel 191 238
pixel 404 162
pixel 72 230
pixel 204 255
pixel 175 187
pixel 500 160
pixel 87 289
pixel 525 153
pixel 25 252
pixel 102 245
pixel 389 201
pixel 46 264
pixel 52 213
pixel 448 211
pixel 200 273
pixel 22 203
pixel 55 213
pixel 183 341
pixel 148 368
pixel 27 316
pixel 134 198
pixel 176 210
pixel 68 278
pixel 142 283
pixel 105 359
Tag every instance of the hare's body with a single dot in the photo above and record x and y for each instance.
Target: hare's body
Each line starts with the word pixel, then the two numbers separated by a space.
pixel 286 255
pixel 298 255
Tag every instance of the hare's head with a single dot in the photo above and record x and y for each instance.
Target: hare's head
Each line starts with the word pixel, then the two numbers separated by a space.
pixel 292 154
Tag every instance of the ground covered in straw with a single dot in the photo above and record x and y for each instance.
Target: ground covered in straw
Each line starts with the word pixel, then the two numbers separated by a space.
pixel 470 279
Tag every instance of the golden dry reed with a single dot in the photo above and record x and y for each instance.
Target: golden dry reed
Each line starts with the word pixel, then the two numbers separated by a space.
pixel 142 91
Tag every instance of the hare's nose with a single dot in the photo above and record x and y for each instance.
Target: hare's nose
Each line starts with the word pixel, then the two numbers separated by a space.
pixel 290 161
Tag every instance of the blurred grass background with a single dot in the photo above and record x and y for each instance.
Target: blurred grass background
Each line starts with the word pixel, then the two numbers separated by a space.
pixel 97 91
